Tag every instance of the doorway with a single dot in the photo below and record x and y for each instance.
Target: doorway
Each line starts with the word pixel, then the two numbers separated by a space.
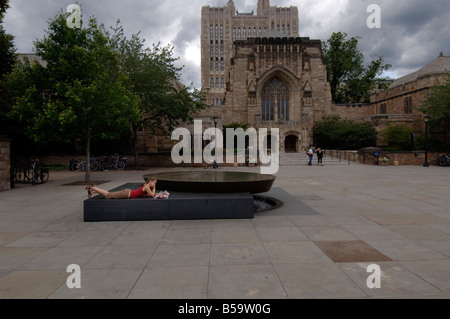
pixel 290 144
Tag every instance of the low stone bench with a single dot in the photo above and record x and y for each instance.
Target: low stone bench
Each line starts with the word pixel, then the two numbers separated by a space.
pixel 179 206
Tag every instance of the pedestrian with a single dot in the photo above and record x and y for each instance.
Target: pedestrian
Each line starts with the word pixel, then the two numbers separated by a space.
pixel 320 155
pixel 310 154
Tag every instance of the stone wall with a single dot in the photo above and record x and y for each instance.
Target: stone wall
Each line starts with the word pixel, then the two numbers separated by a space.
pixel 395 158
pixel 5 164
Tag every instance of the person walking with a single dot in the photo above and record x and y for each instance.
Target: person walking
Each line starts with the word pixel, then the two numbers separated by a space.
pixel 320 155
pixel 310 154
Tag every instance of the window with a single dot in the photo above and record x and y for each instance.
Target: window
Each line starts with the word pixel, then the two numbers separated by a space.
pixel 275 101
pixel 239 33
pixel 408 105
pixel 383 108
pixel 217 82
pixel 211 82
pixel 307 98
pixel 283 28
pixel 260 32
pixel 288 29
pixel 245 33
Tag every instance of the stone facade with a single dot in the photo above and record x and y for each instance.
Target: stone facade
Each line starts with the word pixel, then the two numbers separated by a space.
pixel 5 164
pixel 398 104
pixel 271 78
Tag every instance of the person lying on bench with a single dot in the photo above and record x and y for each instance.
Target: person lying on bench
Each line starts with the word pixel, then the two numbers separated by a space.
pixel 148 189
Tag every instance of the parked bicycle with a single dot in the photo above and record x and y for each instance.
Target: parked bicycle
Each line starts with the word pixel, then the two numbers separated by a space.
pixel 39 174
pixel 33 173
pixel 114 162
pixel 210 163
pixel 442 160
pixel 80 165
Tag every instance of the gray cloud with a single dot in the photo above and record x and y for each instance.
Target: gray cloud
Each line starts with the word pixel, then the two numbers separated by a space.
pixel 412 34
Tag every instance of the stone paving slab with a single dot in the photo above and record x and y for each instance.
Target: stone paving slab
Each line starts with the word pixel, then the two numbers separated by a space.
pixel 280 254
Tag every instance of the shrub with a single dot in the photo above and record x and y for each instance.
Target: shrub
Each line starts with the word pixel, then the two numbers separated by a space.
pixel 332 132
pixel 398 137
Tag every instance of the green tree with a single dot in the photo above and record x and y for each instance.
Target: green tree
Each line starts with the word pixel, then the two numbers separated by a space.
pixel 397 137
pixel 154 77
pixel 80 94
pixel 7 49
pixel 7 58
pixel 437 102
pixel 350 80
pixel 332 132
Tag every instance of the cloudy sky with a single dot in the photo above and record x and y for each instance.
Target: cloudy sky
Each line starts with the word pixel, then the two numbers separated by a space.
pixel 412 33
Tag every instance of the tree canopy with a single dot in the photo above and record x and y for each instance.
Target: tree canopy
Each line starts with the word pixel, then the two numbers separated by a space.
pixel 437 101
pixel 80 94
pixel 350 80
pixel 7 58
pixel 153 76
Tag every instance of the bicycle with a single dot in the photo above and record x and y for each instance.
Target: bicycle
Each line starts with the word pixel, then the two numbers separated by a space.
pixel 19 175
pixel 442 160
pixel 39 173
pixel 80 165
pixel 113 162
pixel 211 163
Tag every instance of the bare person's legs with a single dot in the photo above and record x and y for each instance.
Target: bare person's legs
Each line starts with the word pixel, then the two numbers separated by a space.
pixel 110 195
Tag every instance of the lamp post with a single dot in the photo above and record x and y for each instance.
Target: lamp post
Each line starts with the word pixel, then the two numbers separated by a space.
pixel 426 119
pixel 216 119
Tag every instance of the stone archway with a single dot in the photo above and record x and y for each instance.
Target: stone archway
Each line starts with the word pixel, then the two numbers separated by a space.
pixel 290 144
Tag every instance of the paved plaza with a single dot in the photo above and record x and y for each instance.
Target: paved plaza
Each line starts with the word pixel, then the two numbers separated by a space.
pixel 336 220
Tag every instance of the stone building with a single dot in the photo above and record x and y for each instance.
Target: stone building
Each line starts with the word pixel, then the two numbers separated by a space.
pixel 398 104
pixel 261 73
pixel 5 164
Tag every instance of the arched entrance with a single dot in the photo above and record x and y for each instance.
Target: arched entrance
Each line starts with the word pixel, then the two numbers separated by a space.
pixel 290 144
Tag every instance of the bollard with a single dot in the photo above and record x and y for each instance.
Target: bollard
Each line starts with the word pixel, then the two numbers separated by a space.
pixel 11 177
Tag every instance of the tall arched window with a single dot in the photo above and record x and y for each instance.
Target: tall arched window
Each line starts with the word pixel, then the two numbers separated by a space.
pixel 275 101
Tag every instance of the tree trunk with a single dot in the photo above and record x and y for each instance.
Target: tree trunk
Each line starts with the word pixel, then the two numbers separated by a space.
pixel 136 153
pixel 88 160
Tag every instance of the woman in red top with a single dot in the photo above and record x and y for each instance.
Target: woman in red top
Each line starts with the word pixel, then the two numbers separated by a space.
pixel 148 189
